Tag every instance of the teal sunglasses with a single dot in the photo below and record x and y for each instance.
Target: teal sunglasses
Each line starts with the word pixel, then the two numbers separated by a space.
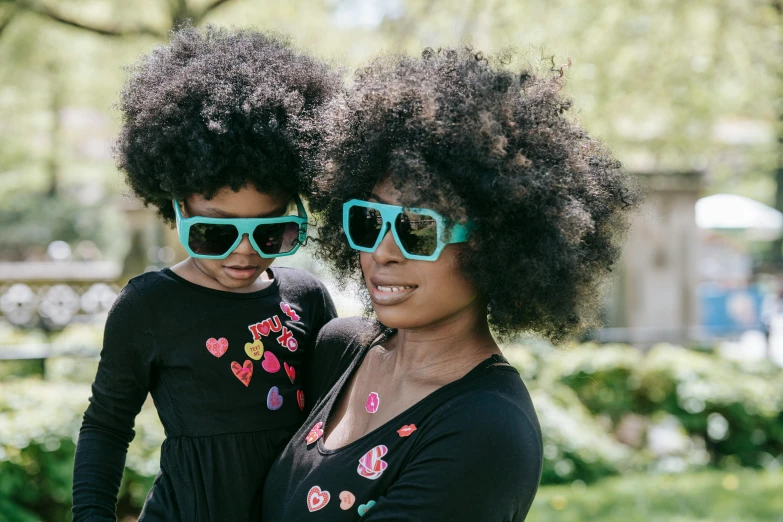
pixel 420 233
pixel 216 238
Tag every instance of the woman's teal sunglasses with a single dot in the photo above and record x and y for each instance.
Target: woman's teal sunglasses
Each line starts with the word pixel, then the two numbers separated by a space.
pixel 420 233
pixel 216 238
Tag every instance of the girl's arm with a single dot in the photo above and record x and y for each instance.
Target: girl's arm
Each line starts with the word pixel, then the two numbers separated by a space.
pixel 119 391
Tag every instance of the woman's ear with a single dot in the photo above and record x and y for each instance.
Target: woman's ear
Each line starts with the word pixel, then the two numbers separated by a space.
pixel 183 209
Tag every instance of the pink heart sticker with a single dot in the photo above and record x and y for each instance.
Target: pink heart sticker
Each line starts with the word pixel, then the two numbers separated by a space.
pixel 244 372
pixel 371 464
pixel 315 433
pixel 217 347
pixel 317 499
pixel 290 371
pixel 300 399
pixel 270 362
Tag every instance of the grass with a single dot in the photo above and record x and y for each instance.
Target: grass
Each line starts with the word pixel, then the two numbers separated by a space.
pixel 708 496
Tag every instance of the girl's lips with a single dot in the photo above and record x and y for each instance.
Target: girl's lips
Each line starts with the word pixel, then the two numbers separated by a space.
pixel 387 295
pixel 240 272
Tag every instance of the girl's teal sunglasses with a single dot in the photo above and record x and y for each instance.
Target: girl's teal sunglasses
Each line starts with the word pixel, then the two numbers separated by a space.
pixel 420 233
pixel 216 238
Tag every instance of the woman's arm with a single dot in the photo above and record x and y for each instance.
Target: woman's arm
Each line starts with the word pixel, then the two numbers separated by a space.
pixel 480 461
pixel 119 391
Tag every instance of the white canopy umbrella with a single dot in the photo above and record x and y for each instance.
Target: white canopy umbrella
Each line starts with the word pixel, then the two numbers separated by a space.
pixel 733 212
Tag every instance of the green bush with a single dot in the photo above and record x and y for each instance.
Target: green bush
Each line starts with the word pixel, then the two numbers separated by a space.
pixel 576 445
pixel 738 413
pixel 735 410
pixel 39 422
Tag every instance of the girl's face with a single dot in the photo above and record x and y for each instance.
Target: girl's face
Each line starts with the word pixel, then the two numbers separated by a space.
pixel 243 266
pixel 408 294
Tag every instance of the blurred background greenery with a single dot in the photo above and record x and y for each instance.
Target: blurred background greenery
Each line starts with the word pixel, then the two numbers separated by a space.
pixel 673 411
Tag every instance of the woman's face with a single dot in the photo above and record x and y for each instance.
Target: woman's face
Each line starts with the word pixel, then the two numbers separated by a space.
pixel 410 294
pixel 243 266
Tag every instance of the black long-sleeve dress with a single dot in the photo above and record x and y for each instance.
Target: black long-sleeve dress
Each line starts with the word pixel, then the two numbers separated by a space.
pixel 226 372
pixel 471 451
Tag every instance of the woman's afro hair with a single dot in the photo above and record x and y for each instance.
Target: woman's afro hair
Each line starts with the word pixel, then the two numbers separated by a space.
pixel 462 134
pixel 220 108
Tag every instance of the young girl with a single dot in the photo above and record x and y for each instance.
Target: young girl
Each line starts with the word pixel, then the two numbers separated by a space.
pixel 216 126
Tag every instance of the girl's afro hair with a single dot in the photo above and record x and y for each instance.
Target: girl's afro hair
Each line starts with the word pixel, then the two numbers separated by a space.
pixel 220 108
pixel 462 134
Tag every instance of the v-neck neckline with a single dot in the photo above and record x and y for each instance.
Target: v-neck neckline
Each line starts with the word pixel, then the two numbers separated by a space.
pixel 339 387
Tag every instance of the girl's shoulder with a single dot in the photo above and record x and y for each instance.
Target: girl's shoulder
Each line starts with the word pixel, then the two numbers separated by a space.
pixel 298 281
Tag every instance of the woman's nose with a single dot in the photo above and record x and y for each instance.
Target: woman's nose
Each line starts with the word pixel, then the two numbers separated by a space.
pixel 387 251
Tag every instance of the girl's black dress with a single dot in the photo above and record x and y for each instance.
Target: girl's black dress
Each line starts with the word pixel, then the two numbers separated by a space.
pixel 227 374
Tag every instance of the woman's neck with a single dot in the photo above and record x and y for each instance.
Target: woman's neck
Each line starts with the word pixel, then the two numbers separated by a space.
pixel 442 351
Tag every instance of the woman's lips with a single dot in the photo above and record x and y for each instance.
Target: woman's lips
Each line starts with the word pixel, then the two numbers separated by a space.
pixel 387 294
pixel 240 272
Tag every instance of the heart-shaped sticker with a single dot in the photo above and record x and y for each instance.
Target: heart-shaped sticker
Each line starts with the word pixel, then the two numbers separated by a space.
pixel 300 399
pixel 365 507
pixel 217 347
pixel 371 464
pixel 244 372
pixel 317 499
pixel 255 349
pixel 315 433
pixel 406 430
pixel 373 401
pixel 347 499
pixel 290 371
pixel 274 401
pixel 263 328
pixel 270 363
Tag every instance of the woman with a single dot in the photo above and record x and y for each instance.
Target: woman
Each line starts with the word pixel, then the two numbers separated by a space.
pixel 504 216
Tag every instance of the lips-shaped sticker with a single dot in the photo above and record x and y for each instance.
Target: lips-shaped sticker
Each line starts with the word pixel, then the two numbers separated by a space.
pixel 406 430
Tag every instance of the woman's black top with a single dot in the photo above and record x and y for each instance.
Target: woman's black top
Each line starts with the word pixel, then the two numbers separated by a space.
pixel 226 371
pixel 470 451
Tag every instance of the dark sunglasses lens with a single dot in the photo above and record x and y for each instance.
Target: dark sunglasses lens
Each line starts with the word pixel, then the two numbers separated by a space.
pixel 418 233
pixel 279 238
pixel 211 240
pixel 364 226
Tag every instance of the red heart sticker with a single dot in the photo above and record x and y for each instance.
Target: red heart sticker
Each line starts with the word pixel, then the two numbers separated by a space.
pixel 270 362
pixel 300 399
pixel 244 372
pixel 217 347
pixel 316 433
pixel 290 371
pixel 406 430
pixel 317 499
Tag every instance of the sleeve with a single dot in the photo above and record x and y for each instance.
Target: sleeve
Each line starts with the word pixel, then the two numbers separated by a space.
pixel 118 393
pixel 338 342
pixel 481 463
